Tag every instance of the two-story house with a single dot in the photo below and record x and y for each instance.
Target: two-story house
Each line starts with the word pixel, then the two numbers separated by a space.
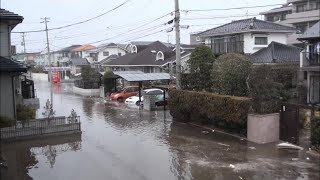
pixel 81 52
pixel 10 71
pixel 310 62
pixel 242 36
pixel 103 51
pixel 300 14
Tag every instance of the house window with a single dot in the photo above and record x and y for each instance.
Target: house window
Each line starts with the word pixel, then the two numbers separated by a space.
pixel 105 53
pixel 302 27
pixel 119 54
pixel 261 41
pixel 300 8
pixel 270 18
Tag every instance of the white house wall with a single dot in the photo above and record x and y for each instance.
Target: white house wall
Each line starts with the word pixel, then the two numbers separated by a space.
pixel 4 40
pixel 249 41
pixel 112 51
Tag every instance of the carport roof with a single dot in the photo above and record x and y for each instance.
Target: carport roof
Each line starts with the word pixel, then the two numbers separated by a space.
pixel 136 76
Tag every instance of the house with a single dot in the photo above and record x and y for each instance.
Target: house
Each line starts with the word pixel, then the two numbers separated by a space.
pixel 63 56
pixel 277 53
pixel 10 71
pixel 300 14
pixel 310 62
pixel 80 52
pixel 104 51
pixel 78 64
pixel 242 36
pixel 146 58
pixel 186 51
pixel 28 58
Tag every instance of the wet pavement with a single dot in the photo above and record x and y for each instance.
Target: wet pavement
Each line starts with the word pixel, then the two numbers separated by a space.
pixel 121 142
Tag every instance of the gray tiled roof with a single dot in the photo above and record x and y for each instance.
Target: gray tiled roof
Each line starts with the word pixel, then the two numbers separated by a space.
pixel 246 25
pixel 80 62
pixel 7 15
pixel 277 53
pixel 7 65
pixel 313 32
pixel 144 57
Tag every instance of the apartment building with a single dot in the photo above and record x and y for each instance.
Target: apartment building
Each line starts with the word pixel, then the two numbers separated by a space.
pixel 300 14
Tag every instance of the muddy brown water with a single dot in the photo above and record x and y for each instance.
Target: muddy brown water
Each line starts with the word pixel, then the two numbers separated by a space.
pixel 120 142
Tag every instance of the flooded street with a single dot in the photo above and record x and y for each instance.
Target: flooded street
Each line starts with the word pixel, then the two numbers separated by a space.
pixel 120 142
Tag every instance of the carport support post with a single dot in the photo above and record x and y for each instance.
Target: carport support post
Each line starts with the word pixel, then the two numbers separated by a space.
pixel 140 85
pixel 164 100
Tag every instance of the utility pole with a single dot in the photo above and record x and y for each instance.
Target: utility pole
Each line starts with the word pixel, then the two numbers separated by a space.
pixel 45 21
pixel 23 42
pixel 178 53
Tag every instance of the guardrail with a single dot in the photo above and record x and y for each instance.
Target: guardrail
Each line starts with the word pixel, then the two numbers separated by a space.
pixel 41 127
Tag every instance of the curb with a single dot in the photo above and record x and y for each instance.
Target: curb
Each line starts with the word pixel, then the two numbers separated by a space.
pixel 219 131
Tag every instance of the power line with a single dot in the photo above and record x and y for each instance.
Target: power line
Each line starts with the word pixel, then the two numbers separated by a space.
pixel 129 30
pixel 77 23
pixel 224 17
pixel 235 8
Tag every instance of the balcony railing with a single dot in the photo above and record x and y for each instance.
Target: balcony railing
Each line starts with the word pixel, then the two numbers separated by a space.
pixel 310 59
pixel 227 47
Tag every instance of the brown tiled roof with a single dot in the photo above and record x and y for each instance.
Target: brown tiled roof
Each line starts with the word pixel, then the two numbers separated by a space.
pixel 83 48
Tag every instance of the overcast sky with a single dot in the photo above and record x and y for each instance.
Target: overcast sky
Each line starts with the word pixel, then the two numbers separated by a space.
pixel 120 23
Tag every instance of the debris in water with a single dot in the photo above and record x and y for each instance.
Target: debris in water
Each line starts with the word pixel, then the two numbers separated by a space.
pixel 224 144
pixel 295 159
pixel 212 130
pixel 232 166
pixel 240 177
pixel 289 146
pixel 205 132
pixel 308 158
pixel 253 148
pixel 241 139
pixel 120 114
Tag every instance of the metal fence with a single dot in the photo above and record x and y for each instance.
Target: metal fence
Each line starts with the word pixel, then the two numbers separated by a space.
pixel 40 127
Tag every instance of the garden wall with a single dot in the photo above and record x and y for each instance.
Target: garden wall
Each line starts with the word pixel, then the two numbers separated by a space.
pixel 227 112
pixel 86 92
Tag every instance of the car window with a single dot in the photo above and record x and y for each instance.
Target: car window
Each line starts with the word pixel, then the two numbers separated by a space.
pixel 128 90
pixel 136 89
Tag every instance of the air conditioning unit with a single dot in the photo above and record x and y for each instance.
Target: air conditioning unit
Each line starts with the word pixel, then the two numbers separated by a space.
pixel 18 91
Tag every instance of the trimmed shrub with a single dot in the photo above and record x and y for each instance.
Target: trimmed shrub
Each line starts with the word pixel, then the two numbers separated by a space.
pixel 108 82
pixel 200 68
pixel 6 122
pixel 227 112
pixel 25 113
pixel 315 133
pixel 230 73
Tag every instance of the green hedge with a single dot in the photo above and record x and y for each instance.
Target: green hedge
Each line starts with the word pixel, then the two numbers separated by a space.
pixel 25 113
pixel 6 122
pixel 227 112
pixel 315 133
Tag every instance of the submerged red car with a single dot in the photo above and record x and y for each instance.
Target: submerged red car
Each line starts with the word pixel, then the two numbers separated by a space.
pixel 124 93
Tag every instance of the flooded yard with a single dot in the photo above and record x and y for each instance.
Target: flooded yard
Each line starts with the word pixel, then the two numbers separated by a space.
pixel 120 142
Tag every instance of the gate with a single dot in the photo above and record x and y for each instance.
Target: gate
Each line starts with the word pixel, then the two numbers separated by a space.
pixel 289 123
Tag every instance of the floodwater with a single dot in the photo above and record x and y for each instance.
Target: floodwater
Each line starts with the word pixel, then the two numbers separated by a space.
pixel 122 143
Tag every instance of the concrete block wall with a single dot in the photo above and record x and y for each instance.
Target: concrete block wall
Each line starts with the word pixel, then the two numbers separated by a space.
pixel 149 102
pixel 263 129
